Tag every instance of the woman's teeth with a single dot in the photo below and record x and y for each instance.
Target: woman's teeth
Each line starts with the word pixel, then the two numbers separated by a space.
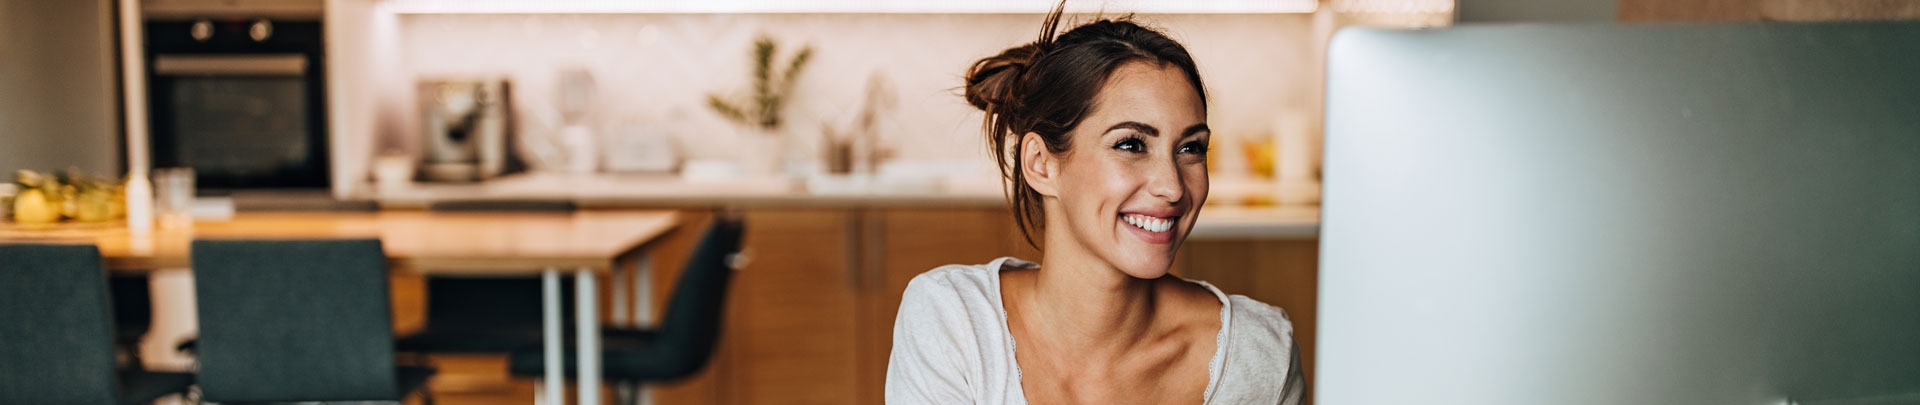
pixel 1151 224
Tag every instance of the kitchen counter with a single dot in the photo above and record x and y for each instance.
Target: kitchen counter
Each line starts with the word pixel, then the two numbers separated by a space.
pixel 1225 222
pixel 622 191
pixel 1224 217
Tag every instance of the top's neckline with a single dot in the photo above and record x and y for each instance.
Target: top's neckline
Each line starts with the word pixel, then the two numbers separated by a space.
pixel 1214 364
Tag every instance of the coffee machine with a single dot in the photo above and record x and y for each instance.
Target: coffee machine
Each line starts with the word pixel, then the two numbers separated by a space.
pixel 465 126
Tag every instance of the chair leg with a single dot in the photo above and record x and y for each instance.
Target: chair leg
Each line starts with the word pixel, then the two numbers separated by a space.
pixel 632 393
pixel 623 394
pixel 130 355
pixel 193 396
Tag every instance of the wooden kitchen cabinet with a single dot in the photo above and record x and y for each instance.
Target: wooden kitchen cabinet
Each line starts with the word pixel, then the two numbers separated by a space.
pixel 791 334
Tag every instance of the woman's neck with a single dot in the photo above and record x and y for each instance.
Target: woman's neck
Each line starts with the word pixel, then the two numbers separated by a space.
pixel 1080 302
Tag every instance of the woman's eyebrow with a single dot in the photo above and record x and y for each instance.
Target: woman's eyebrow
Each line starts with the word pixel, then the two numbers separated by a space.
pixel 1195 130
pixel 1136 127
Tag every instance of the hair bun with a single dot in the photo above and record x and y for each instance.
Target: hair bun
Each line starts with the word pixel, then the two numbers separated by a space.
pixel 990 82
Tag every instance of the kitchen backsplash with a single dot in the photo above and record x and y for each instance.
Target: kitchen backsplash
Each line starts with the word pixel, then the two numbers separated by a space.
pixel 653 72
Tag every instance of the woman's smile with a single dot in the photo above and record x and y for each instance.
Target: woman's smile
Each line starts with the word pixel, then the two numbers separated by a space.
pixel 1149 223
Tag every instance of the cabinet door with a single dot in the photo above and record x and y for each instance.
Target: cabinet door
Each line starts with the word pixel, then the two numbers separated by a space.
pixel 902 243
pixel 790 336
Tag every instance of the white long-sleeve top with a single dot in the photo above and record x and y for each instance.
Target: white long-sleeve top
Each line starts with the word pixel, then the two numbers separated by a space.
pixel 951 345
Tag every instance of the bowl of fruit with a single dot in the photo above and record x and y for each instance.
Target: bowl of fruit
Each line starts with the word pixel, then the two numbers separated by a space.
pixel 40 198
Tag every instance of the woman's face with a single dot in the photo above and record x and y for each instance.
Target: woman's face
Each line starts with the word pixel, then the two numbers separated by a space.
pixel 1133 181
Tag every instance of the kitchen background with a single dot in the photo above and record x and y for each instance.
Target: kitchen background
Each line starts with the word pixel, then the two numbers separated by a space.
pixel 61 110
pixel 813 331
pixel 651 75
pixel 655 71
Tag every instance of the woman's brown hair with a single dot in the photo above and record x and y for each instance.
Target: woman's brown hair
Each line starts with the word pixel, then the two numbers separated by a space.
pixel 1046 87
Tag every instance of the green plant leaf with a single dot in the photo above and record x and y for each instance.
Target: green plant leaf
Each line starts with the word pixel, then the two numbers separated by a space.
pixel 728 110
pixel 794 67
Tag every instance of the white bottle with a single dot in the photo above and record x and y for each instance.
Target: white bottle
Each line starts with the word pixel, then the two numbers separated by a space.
pixel 139 203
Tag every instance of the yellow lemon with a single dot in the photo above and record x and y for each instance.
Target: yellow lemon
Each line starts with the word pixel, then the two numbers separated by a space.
pixel 32 207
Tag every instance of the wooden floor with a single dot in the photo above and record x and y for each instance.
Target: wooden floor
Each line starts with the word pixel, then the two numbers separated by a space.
pixel 480 380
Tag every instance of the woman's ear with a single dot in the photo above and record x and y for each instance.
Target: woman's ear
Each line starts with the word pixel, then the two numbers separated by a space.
pixel 1038 165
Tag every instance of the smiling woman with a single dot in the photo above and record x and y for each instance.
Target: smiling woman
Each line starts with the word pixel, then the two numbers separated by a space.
pixel 1101 137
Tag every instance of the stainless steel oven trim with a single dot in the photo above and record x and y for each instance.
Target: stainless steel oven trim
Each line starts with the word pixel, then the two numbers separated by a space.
pixel 291 64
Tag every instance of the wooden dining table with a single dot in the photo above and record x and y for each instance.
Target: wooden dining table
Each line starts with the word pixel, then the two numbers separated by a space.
pixel 586 243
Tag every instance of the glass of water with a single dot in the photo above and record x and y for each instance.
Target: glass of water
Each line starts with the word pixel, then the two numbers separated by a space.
pixel 173 197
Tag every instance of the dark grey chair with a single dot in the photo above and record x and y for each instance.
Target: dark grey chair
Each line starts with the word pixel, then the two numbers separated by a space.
pixel 684 341
pixel 56 332
pixel 297 321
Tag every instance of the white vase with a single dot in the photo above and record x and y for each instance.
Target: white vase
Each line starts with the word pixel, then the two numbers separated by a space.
pixel 764 152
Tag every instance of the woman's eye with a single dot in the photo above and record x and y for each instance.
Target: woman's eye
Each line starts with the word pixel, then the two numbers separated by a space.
pixel 1198 148
pixel 1131 145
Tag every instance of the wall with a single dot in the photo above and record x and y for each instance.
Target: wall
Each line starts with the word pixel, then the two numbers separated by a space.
pixel 58 94
pixel 1496 11
pixel 655 70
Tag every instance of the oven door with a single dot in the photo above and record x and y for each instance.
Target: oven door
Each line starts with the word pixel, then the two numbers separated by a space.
pixel 241 117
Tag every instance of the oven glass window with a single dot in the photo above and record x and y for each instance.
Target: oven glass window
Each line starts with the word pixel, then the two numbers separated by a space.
pixel 241 127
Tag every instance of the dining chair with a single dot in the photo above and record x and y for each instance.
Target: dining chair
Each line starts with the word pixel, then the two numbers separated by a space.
pixel 683 343
pixel 57 336
pixel 297 321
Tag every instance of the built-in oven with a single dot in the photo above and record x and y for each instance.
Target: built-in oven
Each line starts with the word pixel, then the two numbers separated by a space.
pixel 241 101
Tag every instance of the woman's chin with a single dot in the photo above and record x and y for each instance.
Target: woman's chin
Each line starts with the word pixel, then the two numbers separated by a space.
pixel 1145 267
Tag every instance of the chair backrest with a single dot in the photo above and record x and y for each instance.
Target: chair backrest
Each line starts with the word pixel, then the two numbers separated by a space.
pixel 691 326
pixel 294 320
pixel 56 334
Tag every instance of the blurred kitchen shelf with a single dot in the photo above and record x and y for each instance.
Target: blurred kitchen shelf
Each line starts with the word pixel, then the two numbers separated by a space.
pixel 1279 222
pixel 840 6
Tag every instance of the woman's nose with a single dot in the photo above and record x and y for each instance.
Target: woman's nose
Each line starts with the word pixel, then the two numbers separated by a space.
pixel 1164 182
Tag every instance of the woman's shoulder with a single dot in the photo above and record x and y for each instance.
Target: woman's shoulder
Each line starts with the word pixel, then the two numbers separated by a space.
pixel 1248 318
pixel 960 284
pixel 1257 321
pixel 1262 363
pixel 949 342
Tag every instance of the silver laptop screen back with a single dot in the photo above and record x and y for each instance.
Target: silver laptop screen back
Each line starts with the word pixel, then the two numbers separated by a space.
pixel 1605 214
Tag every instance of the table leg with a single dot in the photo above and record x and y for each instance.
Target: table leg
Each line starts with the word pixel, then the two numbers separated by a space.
pixel 550 326
pixel 174 320
pixel 643 290
pixel 587 326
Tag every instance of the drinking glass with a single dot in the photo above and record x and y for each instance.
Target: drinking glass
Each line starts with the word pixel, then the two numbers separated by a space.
pixel 173 197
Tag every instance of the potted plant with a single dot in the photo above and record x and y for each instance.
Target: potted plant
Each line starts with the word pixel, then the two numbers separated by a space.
pixel 760 108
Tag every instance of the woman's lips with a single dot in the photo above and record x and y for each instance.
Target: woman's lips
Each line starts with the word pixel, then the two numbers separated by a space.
pixel 1151 229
